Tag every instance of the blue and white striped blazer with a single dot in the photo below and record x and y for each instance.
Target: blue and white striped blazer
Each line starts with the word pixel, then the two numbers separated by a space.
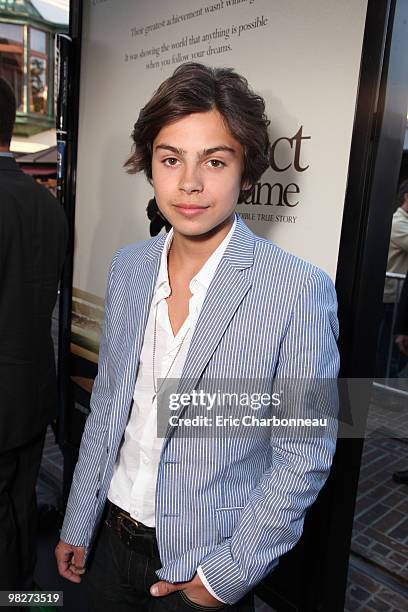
pixel 232 508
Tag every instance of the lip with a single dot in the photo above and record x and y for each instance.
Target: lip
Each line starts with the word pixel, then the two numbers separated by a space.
pixel 190 209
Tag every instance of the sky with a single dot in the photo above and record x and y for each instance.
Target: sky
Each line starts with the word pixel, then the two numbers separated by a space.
pixel 53 10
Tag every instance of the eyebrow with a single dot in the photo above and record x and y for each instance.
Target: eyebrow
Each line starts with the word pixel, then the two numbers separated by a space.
pixel 201 154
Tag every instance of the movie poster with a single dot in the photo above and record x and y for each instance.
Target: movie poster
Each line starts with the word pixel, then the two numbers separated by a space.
pixel 292 53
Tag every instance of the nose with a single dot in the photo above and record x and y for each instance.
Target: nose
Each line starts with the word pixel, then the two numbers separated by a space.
pixel 190 179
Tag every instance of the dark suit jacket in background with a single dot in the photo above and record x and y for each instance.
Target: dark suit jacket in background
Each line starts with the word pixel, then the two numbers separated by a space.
pixel 33 241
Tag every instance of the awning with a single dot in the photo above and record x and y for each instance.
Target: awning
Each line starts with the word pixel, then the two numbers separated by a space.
pixel 35 171
pixel 42 163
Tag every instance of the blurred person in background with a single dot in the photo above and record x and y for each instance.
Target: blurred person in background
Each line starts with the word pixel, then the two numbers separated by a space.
pixel 401 340
pixel 33 241
pixel 401 324
pixel 397 263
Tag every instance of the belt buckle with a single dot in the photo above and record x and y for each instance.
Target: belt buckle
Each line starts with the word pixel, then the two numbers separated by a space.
pixel 122 516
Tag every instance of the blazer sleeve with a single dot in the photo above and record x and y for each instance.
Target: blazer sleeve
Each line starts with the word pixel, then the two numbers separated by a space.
pixel 82 500
pixel 271 522
pixel 4 241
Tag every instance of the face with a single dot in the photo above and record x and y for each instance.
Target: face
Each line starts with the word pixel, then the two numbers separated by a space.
pixel 197 166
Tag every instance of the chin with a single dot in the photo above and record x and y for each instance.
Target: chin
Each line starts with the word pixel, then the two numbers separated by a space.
pixel 191 230
pixel 208 223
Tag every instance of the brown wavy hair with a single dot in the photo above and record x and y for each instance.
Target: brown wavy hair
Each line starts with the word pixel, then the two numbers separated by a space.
pixel 196 88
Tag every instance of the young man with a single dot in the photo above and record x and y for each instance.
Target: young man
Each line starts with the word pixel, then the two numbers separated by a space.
pixel 198 522
pixel 33 240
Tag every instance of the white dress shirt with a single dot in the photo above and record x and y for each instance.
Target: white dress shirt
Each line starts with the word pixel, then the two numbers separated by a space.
pixel 133 484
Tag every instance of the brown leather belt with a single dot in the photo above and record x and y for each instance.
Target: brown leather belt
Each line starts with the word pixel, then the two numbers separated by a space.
pixel 133 534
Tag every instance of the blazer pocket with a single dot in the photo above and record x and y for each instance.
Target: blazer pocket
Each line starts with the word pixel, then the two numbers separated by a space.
pixel 227 519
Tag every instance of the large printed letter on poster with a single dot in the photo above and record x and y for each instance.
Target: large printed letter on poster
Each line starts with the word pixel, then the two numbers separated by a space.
pixel 292 53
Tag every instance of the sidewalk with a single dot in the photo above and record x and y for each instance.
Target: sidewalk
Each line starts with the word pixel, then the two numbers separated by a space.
pixel 380 534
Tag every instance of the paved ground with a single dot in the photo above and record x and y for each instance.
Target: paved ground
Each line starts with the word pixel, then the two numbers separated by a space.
pixel 381 519
pixel 378 575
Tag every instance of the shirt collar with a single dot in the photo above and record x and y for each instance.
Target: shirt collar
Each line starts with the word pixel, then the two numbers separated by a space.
pixel 162 282
pixel 6 154
pixel 203 277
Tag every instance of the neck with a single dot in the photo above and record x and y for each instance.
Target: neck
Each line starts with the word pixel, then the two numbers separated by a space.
pixel 189 253
pixel 404 206
pixel 4 149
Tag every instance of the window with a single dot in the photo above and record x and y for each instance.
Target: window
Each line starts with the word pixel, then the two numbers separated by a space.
pixel 38 70
pixel 38 41
pixel 12 58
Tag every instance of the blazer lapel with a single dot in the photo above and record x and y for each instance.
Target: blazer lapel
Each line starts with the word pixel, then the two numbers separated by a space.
pixel 141 287
pixel 225 293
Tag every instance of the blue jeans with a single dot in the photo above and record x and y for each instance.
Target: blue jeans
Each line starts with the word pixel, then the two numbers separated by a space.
pixel 119 579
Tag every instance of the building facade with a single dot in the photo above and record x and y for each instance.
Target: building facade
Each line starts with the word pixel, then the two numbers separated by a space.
pixel 27 63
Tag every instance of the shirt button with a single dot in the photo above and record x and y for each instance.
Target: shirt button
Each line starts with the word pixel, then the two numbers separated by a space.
pixel 145 459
